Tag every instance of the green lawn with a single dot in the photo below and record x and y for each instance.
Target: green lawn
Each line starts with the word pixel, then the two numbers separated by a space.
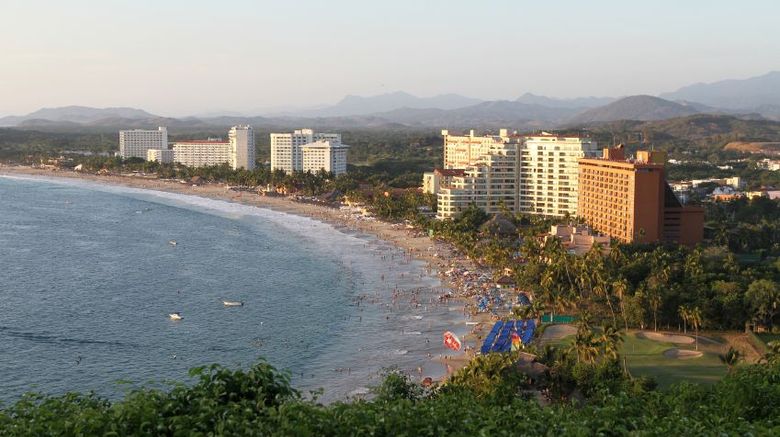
pixel 645 358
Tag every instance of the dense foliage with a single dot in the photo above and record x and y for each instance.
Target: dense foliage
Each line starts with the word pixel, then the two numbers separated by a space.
pixel 260 401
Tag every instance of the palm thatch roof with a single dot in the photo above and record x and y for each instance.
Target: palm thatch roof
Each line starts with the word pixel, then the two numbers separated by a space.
pixel 499 225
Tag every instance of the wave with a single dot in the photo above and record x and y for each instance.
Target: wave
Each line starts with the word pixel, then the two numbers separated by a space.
pixel 310 228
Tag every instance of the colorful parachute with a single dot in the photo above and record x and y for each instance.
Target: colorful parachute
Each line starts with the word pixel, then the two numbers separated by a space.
pixel 452 341
pixel 517 343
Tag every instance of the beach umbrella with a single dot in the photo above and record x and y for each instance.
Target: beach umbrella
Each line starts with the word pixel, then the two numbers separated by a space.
pixel 452 341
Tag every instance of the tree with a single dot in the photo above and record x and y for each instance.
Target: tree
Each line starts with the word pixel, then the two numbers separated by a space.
pixel 620 288
pixel 694 315
pixel 685 315
pixel 730 358
pixel 763 298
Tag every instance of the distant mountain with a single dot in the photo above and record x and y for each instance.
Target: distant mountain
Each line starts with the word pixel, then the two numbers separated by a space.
pixel 357 105
pixel 641 108
pixel 744 94
pixel 578 102
pixel 499 113
pixel 77 114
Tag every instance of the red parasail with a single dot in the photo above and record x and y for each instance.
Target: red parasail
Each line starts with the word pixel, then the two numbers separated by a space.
pixel 451 341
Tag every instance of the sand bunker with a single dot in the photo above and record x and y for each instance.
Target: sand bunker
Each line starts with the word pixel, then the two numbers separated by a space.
pixel 557 332
pixel 668 338
pixel 682 354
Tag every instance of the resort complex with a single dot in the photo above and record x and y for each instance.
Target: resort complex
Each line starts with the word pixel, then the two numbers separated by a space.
pixel 528 174
pixel 308 151
pixel 562 176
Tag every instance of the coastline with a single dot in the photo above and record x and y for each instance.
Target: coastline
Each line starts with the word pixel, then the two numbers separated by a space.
pixel 438 256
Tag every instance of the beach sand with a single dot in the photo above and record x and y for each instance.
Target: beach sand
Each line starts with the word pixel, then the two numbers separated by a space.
pixel 438 256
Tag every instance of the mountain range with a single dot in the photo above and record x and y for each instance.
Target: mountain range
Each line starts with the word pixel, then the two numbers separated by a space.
pixel 749 98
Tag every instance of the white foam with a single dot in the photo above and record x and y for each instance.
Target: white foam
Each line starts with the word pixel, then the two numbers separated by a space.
pixel 300 225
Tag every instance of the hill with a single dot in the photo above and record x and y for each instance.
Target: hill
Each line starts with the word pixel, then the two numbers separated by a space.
pixel 578 102
pixel 744 94
pixel 641 108
pixel 499 113
pixel 700 131
pixel 77 114
pixel 357 105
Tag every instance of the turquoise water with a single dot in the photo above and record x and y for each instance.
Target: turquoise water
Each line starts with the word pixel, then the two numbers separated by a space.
pixel 88 278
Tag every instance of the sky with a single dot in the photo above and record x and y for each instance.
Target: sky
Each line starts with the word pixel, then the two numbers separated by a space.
pixel 177 57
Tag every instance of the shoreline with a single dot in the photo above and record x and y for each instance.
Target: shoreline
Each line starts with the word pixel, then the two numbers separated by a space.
pixel 438 256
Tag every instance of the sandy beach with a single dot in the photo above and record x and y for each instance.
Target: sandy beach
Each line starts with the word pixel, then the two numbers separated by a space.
pixel 439 257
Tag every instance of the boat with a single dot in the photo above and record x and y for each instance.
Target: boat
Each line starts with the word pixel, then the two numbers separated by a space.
pixel 172 242
pixel 232 303
pixel 175 316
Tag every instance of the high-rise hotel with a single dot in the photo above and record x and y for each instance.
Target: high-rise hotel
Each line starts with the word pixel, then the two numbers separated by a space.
pixel 548 173
pixel 135 143
pixel 306 150
pixel 534 175
pixel 630 200
pixel 486 174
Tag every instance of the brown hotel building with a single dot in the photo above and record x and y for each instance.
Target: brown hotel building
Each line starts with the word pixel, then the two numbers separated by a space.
pixel 630 200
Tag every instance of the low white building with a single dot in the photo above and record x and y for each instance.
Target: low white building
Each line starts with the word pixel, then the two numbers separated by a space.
pixel 330 156
pixel 769 164
pixel 163 156
pixel 238 151
pixel 201 153
pixel 579 239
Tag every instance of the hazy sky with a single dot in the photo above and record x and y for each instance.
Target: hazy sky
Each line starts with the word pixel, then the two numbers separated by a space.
pixel 176 57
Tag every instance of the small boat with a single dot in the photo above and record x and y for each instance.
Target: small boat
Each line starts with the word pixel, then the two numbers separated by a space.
pixel 175 316
pixel 172 242
pixel 232 303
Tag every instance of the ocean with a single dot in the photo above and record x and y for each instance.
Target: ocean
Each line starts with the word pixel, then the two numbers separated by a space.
pixel 88 277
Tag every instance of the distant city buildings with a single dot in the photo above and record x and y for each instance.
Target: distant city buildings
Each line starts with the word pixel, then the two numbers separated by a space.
pixel 769 164
pixel 306 150
pixel 631 201
pixel 533 174
pixel 135 143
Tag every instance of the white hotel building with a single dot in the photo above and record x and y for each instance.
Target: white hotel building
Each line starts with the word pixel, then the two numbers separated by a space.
pixel 549 172
pixel 135 143
pixel 489 174
pixel 201 153
pixel 287 151
pixel 534 175
pixel 330 156
pixel 238 151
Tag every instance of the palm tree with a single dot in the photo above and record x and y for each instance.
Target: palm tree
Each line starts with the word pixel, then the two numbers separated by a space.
pixel 685 315
pixel 695 318
pixel 610 340
pixel 621 287
pixel 730 358
pixel 654 297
